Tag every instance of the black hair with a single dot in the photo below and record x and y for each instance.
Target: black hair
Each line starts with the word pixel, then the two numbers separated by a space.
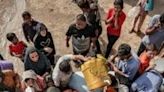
pixel 26 13
pixel 151 47
pixel 124 49
pixel 65 66
pixel 120 3
pixel 81 17
pixel 114 80
pixel 10 36
pixel 161 19
pixel 1 57
pixel 43 27
pixel 26 79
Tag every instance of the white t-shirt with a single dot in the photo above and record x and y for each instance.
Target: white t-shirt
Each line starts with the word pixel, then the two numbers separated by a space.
pixel 58 76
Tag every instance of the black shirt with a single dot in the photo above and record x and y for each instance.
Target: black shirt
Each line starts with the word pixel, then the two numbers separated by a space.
pixel 30 30
pixel 41 42
pixel 81 39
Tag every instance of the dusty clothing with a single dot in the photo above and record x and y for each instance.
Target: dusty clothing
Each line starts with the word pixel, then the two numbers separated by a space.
pixel 42 66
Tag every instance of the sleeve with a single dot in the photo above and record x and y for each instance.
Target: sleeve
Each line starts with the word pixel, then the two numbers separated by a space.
pixel 52 44
pixel 10 50
pixel 153 21
pixel 25 32
pixel 122 19
pixel 48 65
pixel 69 31
pixel 56 77
pixel 56 72
pixel 109 14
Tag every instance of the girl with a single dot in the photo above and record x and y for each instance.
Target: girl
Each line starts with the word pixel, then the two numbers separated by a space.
pixel 114 21
pixel 43 41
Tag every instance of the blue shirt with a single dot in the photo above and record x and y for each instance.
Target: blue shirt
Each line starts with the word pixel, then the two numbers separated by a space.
pixel 129 67
pixel 148 82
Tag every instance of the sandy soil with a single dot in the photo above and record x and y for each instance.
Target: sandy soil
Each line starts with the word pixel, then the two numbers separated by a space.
pixel 58 15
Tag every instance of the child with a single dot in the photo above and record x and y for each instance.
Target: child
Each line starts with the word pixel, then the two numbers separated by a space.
pixel 63 71
pixel 145 7
pixel 114 21
pixel 126 66
pixel 82 35
pixel 43 41
pixel 32 82
pixel 16 48
pixel 146 57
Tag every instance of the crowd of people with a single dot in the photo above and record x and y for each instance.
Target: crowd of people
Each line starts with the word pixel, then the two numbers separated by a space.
pixel 134 72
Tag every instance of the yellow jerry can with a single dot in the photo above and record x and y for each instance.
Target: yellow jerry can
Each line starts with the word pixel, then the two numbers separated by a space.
pixel 95 72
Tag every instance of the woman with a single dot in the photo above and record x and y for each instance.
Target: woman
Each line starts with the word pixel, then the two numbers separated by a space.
pixel 43 42
pixel 36 61
pixel 114 21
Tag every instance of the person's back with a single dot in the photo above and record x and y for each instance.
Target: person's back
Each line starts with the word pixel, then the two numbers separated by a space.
pixel 60 75
pixel 150 81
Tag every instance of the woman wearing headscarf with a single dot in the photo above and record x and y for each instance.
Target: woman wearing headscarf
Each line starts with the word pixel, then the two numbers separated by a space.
pixel 36 61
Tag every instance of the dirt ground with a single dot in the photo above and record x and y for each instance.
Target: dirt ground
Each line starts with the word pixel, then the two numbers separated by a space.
pixel 58 15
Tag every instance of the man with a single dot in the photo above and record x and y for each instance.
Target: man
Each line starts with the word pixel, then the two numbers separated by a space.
pixel 30 26
pixel 154 34
pixel 82 35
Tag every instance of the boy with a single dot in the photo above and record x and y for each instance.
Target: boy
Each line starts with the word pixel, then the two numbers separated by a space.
pixel 16 48
pixel 127 65
pixel 30 26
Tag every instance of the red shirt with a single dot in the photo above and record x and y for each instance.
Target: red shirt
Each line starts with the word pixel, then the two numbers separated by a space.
pixel 17 48
pixel 110 29
pixel 144 60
